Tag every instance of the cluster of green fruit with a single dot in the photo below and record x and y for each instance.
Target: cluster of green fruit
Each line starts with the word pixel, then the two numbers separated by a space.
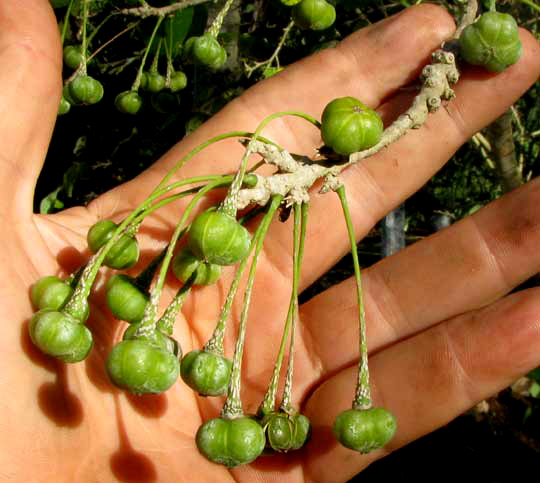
pixel 149 359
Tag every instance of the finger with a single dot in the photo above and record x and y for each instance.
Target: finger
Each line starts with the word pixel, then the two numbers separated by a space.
pixel 308 85
pixel 464 267
pixel 30 85
pixel 379 183
pixel 429 379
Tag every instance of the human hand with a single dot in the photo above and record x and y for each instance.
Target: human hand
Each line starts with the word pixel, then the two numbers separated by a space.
pixel 432 358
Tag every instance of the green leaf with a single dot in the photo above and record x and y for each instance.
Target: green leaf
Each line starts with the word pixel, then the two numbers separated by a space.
pixel 177 28
pixel 51 203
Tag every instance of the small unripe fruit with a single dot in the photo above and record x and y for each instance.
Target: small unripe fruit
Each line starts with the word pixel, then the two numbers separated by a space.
pixel 50 292
pixel 349 126
pixel 206 372
pixel 60 335
pixel 365 430
pixel 231 442
pixel 314 14
pixel 492 41
pixel 205 51
pixel 125 251
pixel 178 81
pixel 140 367
pixel 285 432
pixel 72 56
pixel 126 300
pixel 85 90
pixel 185 263
pixel 216 237
pixel 128 102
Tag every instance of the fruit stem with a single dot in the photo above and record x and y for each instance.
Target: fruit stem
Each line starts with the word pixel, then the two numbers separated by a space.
pixel 362 398
pixel 84 285
pixel 268 404
pixel 66 22
pixel 168 50
pixel 155 60
pixel 148 322
pixel 82 68
pixel 166 321
pixel 73 279
pixel 300 218
pixel 200 147
pixel 215 28
pixel 137 81
pixel 230 202
pixel 233 404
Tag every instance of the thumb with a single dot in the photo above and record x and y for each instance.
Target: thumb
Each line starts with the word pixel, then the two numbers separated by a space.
pixel 30 88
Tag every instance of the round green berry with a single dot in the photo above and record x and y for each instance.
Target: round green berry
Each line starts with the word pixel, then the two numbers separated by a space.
pixel 365 430
pixel 126 300
pixel 492 41
pixel 185 263
pixel 60 335
pixel 285 432
pixel 128 102
pixel 50 292
pixel 141 367
pixel 231 442
pixel 349 126
pixel 205 51
pixel 125 251
pixel 313 14
pixel 206 372
pixel 216 237
pixel 73 56
pixel 85 90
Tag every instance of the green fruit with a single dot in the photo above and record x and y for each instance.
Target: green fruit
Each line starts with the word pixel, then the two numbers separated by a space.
pixel 314 14
pixel 125 251
pixel 64 106
pixel 157 338
pixel 365 430
pixel 492 41
pixel 290 3
pixel 165 102
pixel 73 56
pixel 178 81
pixel 128 102
pixel 50 292
pixel 349 126
pixel 205 51
pixel 155 82
pixel 185 263
pixel 140 367
pixel 85 90
pixel 286 432
pixel 216 237
pixel 231 442
pixel 67 96
pixel 126 300
pixel 206 372
pixel 60 335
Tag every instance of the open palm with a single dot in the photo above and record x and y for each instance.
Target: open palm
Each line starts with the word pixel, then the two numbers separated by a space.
pixel 442 332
